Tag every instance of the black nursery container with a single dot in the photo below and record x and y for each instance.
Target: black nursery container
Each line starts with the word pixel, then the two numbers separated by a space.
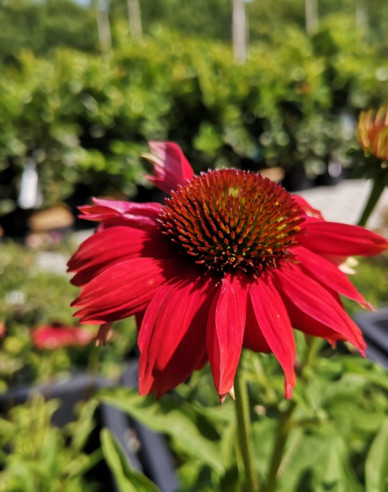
pixel 375 329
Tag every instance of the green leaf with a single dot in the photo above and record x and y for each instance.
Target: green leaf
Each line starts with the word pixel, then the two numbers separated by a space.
pixel 82 428
pixel 301 454
pixel 334 472
pixel 127 479
pixel 376 466
pixel 172 418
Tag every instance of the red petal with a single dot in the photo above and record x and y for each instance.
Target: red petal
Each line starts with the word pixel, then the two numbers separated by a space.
pixel 253 337
pixel 334 239
pixel 328 274
pixel 307 208
pixel 225 331
pixel 119 212
pixel 112 245
pixel 177 311
pixel 305 323
pixel 275 325
pixel 122 290
pixel 313 299
pixel 171 168
pixel 190 356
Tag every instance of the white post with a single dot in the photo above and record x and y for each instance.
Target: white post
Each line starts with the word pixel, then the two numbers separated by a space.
pixel 104 34
pixel 362 14
pixel 311 13
pixel 239 30
pixel 134 15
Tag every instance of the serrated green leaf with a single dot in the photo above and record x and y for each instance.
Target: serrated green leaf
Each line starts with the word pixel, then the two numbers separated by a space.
pixel 83 426
pixel 376 466
pixel 127 479
pixel 228 444
pixel 7 430
pixel 168 417
pixel 334 472
pixel 301 454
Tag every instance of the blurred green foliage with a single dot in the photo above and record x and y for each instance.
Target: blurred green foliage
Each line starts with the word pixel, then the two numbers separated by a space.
pixel 43 457
pixel 43 26
pixel 86 118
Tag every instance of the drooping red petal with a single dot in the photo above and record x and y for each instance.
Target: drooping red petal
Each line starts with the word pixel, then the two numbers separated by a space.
pixel 178 309
pixel 113 245
pixel 310 326
pixel 335 239
pixel 275 325
pixel 327 274
pixel 123 289
pixel 313 299
pixel 253 337
pixel 171 168
pixel 190 356
pixel 225 331
pixel 115 212
pixel 307 208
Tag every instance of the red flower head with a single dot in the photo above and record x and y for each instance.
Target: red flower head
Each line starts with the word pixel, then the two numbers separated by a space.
pixel 57 336
pixel 231 260
pixel 372 132
pixel 2 329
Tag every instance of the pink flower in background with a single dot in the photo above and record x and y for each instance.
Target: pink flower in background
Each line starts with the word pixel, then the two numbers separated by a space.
pixel 231 260
pixel 57 336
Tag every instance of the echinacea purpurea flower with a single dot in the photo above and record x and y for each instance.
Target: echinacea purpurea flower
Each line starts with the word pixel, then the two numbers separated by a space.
pixel 56 336
pixel 231 260
pixel 372 132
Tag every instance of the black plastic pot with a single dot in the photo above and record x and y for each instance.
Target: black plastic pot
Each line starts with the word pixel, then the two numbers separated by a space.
pixel 152 457
pixel 375 329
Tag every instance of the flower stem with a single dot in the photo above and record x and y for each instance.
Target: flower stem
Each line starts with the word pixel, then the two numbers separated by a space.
pixel 376 191
pixel 280 443
pixel 285 420
pixel 245 431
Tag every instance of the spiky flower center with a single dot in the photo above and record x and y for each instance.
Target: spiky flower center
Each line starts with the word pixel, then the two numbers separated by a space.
pixel 230 220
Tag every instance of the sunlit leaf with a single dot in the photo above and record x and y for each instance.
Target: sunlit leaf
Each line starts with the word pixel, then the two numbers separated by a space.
pixel 168 417
pixel 376 466
pixel 127 479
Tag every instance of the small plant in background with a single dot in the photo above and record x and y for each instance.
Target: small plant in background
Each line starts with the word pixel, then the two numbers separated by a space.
pixel 372 132
pixel 43 457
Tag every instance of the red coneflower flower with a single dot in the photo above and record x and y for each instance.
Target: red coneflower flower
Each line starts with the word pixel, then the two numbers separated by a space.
pixel 55 336
pixel 372 132
pixel 231 260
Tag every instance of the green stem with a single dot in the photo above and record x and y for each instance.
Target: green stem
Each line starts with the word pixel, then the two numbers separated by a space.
pixel 285 421
pixel 245 431
pixel 376 191
pixel 280 443
pixel 94 360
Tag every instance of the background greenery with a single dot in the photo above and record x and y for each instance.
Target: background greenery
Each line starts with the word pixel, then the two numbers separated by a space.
pixel 84 113
pixel 85 117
